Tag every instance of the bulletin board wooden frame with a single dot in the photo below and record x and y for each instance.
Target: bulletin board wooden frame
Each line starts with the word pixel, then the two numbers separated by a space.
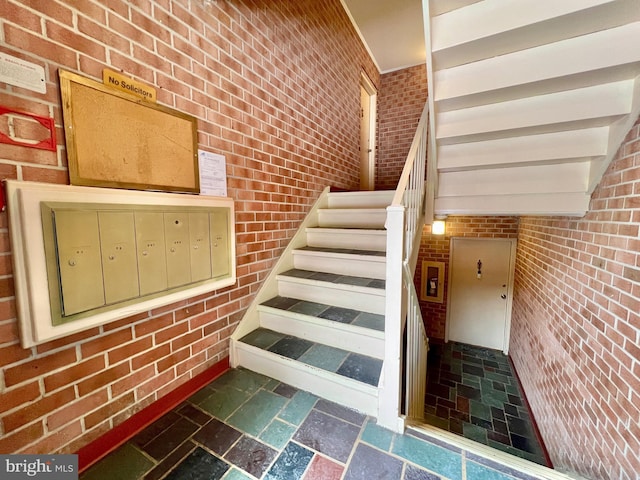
pixel 118 140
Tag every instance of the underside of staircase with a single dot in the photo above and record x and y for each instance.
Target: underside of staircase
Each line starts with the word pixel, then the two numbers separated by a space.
pixel 530 101
pixel 318 321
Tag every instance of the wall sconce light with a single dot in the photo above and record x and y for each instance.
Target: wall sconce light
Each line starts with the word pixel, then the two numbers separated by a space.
pixel 438 226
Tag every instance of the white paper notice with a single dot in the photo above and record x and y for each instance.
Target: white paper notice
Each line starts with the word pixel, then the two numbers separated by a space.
pixel 21 73
pixel 213 174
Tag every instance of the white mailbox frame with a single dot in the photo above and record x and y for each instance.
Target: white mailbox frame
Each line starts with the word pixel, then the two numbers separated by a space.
pixel 29 262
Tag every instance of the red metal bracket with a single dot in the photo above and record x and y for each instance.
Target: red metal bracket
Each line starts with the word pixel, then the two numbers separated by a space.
pixel 46 122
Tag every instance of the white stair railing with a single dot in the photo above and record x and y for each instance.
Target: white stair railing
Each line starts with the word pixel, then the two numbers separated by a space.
pixel 405 218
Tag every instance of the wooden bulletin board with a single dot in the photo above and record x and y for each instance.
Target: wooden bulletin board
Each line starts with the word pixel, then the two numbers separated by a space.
pixel 119 140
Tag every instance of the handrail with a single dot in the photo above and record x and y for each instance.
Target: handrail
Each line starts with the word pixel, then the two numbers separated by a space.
pixel 405 218
pixel 411 186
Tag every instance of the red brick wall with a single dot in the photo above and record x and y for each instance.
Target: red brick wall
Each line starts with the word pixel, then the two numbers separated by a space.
pixel 401 100
pixel 436 248
pixel 275 88
pixel 575 337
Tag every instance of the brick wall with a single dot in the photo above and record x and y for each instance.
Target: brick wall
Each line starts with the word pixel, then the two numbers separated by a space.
pixel 436 248
pixel 402 97
pixel 575 337
pixel 275 88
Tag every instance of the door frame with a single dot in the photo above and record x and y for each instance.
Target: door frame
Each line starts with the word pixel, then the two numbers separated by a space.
pixel 368 171
pixel 510 284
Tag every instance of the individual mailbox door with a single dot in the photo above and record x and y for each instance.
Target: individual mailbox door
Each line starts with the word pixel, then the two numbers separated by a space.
pixel 176 230
pixel 199 235
pixel 151 252
pixel 220 261
pixel 119 265
pixel 78 247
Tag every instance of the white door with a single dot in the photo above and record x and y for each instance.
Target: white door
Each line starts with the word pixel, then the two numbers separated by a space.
pixel 480 286
pixel 367 133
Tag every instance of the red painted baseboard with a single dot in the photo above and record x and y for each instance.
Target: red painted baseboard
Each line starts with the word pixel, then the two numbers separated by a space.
pixel 107 443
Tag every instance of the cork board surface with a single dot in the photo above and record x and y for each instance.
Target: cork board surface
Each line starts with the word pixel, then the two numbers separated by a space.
pixel 118 140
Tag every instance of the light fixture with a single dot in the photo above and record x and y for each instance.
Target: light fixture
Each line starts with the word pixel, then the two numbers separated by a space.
pixel 438 226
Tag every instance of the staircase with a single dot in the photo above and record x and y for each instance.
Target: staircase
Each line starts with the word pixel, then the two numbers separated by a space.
pixel 532 99
pixel 318 321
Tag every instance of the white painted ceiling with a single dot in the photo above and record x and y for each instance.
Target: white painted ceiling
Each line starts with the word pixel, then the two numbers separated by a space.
pixel 393 31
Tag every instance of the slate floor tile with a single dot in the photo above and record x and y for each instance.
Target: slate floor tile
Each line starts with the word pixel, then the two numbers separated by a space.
pixel 291 464
pixel 341 412
pixel 217 436
pixel 327 435
pixel 241 379
pixel 377 436
pixel 370 320
pixel 155 429
pixel 290 347
pixel 223 402
pixel 339 314
pixel 324 357
pixel 414 473
pixel 361 368
pixel 251 456
pixel 262 338
pixel 194 414
pixel 283 303
pixel 277 434
pixel 298 407
pixel 170 461
pixel 257 412
pixel 429 456
pixel 170 439
pixel 285 390
pixel 199 465
pixel 368 463
pixel 488 384
pixel 126 463
pixel 322 468
pixel 308 308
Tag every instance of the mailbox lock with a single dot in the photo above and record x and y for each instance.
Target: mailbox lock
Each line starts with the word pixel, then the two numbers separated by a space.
pixel 145 253
pixel 72 263
pixel 112 257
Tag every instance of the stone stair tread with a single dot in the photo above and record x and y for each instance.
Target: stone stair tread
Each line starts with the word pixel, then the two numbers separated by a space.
pixel 335 278
pixel 355 366
pixel 328 312
pixel 351 229
pixel 345 251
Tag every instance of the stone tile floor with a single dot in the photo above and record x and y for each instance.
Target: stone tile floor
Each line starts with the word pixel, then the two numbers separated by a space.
pixel 244 426
pixel 473 392
pixel 348 364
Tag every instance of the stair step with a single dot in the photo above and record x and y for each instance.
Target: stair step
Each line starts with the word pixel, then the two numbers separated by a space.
pixel 343 261
pixel 337 375
pixel 365 199
pixel 369 239
pixel 358 293
pixel 338 327
pixel 354 366
pixel 352 217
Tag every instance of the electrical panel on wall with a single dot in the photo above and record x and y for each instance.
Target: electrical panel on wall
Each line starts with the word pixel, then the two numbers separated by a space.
pixel 99 254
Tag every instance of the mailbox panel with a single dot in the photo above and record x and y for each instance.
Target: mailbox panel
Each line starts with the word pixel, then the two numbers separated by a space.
pixel 176 231
pixel 78 247
pixel 220 259
pixel 151 249
pixel 119 265
pixel 199 235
